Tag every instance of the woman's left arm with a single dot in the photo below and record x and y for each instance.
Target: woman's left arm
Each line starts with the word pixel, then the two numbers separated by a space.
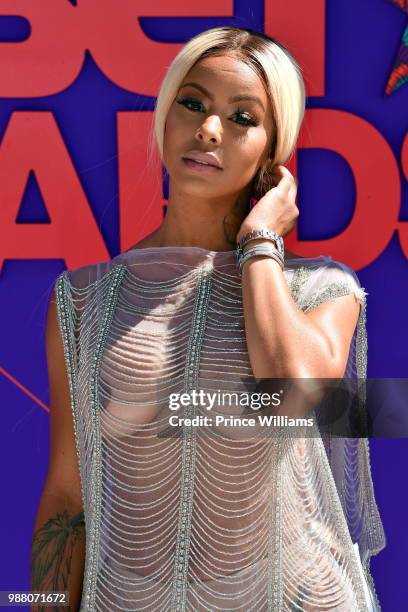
pixel 283 341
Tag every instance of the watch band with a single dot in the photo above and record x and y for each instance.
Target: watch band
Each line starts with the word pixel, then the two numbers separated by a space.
pixel 261 233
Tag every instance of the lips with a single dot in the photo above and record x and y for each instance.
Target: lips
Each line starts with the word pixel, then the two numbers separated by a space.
pixel 203 163
pixel 199 167
pixel 203 158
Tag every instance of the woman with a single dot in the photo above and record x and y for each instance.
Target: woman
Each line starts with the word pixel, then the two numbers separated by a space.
pixel 211 516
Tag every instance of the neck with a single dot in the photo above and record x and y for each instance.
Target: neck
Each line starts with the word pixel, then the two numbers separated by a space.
pixel 211 224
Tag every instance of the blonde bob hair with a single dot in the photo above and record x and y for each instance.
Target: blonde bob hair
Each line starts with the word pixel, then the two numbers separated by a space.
pixel 277 68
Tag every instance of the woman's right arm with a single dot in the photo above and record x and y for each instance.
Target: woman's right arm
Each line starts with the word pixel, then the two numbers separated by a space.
pixel 58 544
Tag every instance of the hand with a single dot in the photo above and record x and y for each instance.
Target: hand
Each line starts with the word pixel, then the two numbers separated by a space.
pixel 276 210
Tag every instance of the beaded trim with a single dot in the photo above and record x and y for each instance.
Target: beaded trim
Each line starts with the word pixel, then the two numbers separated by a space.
pixel 189 443
pixel 96 493
pixel 66 318
pixel 370 581
pixel 275 591
pixel 361 358
pixel 300 277
pixel 376 533
pixel 330 292
pixel 343 529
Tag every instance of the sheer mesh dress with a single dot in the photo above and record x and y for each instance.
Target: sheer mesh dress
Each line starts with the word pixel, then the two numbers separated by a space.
pixel 197 518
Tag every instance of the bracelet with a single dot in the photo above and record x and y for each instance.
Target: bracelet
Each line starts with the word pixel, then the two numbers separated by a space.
pixel 260 250
pixel 261 233
pixel 273 254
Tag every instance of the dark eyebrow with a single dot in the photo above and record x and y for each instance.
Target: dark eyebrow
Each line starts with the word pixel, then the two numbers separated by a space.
pixel 234 99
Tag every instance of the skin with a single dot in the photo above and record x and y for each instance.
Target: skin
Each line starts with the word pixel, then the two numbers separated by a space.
pixel 207 210
pixel 58 552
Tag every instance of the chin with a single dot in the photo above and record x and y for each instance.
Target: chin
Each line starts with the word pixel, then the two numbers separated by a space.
pixel 198 188
pixel 199 191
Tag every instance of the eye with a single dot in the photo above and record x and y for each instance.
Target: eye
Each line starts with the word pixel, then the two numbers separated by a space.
pixel 194 105
pixel 188 102
pixel 244 118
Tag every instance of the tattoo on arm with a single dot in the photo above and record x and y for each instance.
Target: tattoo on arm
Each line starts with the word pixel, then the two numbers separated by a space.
pixel 52 550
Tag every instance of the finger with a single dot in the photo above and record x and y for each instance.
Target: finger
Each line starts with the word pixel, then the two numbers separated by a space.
pixel 286 173
pixel 284 170
pixel 286 184
pixel 290 184
pixel 294 188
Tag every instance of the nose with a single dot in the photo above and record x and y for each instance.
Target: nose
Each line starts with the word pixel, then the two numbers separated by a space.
pixel 210 130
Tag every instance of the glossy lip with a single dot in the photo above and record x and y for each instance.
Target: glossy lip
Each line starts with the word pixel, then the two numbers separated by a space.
pixel 198 168
pixel 200 156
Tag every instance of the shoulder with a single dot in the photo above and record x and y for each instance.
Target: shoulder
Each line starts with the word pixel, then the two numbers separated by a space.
pixel 338 275
pixel 319 280
pixel 78 289
pixel 86 276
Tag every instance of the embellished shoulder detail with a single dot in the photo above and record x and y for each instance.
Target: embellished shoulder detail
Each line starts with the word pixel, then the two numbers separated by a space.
pixel 84 277
pixel 78 291
pixel 298 281
pixel 330 292
pixel 327 282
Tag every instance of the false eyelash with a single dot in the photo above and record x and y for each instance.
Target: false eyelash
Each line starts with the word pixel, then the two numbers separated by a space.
pixel 250 120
